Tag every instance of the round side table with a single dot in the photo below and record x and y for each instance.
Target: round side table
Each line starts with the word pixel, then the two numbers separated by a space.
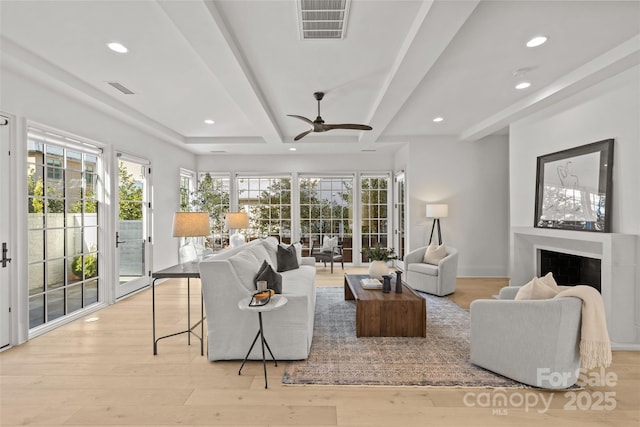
pixel 276 302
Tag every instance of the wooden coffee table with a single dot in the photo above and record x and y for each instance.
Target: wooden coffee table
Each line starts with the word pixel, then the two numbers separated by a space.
pixel 386 315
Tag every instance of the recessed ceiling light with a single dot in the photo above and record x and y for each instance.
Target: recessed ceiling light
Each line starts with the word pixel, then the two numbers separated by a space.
pixel 117 47
pixel 292 149
pixel 523 85
pixel 209 121
pixel 537 41
pixel 438 119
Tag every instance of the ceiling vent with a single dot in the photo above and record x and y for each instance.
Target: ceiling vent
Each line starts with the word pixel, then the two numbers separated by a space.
pixel 121 88
pixel 323 19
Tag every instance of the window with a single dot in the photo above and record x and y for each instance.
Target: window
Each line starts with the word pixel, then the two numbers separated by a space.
pixel 374 216
pixel 186 188
pixel 267 201
pixel 326 206
pixel 212 195
pixel 63 226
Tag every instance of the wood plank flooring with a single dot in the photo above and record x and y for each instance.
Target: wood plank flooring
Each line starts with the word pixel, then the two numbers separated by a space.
pixel 103 373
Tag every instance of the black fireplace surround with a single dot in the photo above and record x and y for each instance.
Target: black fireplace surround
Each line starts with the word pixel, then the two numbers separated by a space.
pixel 570 270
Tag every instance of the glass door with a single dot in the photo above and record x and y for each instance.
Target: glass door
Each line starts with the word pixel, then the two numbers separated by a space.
pixel 132 224
pixel 399 207
pixel 5 223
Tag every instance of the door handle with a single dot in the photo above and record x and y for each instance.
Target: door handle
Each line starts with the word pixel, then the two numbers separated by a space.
pixel 4 260
pixel 119 241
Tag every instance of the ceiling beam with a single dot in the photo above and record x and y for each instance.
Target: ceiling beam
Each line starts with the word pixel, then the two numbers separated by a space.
pixel 435 25
pixel 624 56
pixel 202 26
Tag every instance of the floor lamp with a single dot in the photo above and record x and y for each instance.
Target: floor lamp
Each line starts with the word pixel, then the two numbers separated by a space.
pixel 236 221
pixel 190 224
pixel 436 212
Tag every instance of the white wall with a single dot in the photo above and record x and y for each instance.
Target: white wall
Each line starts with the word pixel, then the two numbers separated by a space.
pixel 472 178
pixel 28 100
pixel 610 109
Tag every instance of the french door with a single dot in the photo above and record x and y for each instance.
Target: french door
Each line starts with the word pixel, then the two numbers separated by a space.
pixel 5 238
pixel 133 224
pixel 399 217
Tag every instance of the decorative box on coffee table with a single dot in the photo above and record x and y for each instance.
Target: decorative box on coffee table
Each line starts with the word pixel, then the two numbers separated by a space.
pixel 390 314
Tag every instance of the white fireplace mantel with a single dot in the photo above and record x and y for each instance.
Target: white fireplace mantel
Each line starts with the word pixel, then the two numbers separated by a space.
pixel 617 253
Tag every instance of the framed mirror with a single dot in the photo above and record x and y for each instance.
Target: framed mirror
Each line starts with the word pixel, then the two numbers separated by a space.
pixel 573 188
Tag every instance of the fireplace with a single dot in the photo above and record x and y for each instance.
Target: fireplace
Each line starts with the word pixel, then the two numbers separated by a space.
pixel 618 265
pixel 569 269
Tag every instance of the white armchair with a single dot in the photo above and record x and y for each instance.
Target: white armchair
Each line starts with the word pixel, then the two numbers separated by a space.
pixel 433 279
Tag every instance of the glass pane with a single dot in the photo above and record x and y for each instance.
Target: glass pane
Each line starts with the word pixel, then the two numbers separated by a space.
pixel 36 245
pixel 90 212
pixel 90 292
pixel 36 311
pixel 54 183
pixel 36 212
pixel 55 274
pixel 35 182
pixel 36 278
pixel 74 298
pixel 55 243
pixel 74 160
pixel 55 304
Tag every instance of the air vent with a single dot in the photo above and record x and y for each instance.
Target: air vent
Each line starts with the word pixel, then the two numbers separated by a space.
pixel 323 19
pixel 121 88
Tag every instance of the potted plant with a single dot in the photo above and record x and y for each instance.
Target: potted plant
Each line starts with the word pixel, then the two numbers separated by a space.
pixel 379 257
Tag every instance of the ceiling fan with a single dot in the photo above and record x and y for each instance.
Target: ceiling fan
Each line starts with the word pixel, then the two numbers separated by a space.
pixel 320 126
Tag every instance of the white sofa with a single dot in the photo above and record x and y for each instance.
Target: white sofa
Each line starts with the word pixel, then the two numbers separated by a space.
pixel 227 277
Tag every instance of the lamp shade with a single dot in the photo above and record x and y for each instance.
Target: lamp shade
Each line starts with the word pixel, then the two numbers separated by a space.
pixel 236 220
pixel 191 224
pixel 437 211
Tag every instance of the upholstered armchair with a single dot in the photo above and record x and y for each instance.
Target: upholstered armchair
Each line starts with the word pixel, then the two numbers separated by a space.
pixel 328 254
pixel 535 342
pixel 438 279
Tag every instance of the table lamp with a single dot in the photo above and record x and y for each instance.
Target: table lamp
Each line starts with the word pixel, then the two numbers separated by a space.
pixel 236 221
pixel 190 224
pixel 436 212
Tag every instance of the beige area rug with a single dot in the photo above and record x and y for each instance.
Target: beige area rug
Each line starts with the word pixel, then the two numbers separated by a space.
pixel 440 360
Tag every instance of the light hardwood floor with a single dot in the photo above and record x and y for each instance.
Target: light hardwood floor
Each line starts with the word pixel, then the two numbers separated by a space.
pixel 103 373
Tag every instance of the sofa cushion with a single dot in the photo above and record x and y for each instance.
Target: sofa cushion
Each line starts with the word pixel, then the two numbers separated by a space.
pixel 261 254
pixel 299 281
pixel 271 245
pixel 429 269
pixel 434 253
pixel 273 279
pixel 538 288
pixel 246 266
pixel 287 258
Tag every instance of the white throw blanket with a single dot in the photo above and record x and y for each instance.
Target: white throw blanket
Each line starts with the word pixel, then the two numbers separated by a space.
pixel 595 347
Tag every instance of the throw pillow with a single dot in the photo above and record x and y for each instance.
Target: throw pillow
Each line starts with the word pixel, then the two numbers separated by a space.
pixel 536 289
pixel 246 265
pixel 287 258
pixel 434 253
pixel 328 243
pixel 273 279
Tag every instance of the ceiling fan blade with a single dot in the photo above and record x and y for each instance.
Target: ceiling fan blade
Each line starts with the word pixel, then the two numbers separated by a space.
pixel 347 126
pixel 302 135
pixel 304 119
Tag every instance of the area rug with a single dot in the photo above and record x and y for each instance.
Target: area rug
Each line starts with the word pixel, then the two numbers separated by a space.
pixel 441 359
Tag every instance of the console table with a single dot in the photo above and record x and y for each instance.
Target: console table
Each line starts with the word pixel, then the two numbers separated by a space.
pixel 190 270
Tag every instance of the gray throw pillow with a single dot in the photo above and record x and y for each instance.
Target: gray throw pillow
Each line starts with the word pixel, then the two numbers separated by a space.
pixel 287 258
pixel 273 279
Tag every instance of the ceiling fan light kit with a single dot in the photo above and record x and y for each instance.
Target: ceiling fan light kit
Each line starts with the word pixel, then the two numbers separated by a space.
pixel 318 125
